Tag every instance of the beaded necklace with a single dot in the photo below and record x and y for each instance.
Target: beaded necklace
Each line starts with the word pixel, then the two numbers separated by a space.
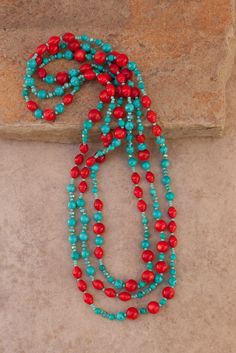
pixel 122 105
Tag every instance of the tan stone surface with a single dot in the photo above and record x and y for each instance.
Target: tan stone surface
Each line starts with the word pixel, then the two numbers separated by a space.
pixel 184 49
pixel 41 309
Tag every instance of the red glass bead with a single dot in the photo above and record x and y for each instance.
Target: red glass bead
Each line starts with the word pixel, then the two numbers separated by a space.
pixel 142 206
pixel 150 177
pixel 121 79
pixel 39 60
pixel 41 72
pixel 84 172
pixel 173 241
pixel 114 69
pixel 161 267
pixel 82 285
pixel 147 256
pixel 103 78
pixel 122 60
pixel 79 159
pixel 162 246
pixel 98 228
pixel 148 276
pixel 132 313
pixel 49 115
pixel 124 296
pixel 144 155
pixel 88 298
pixel 54 40
pixel 53 49
pixel 135 92
pixel 83 148
pixel 94 115
pixel 101 159
pixel 131 285
pixel 90 161
pixel 119 133
pixel 80 55
pixel 172 212
pixel 172 226
pixel 106 139
pixel 118 91
pixel 168 292
pixel 126 91
pixel 110 292
pixel 85 67
pixel 100 57
pixel 156 130
pixel 41 49
pixel 110 90
pixel 153 307
pixel 146 101
pixel 160 225
pixel 138 192
pixel 135 177
pixel 32 106
pixel 83 186
pixel 77 272
pixel 119 113
pixel 62 77
pixel 98 204
pixel 75 172
pixel 104 97
pixel 151 116
pixel 89 75
pixel 67 99
pixel 98 284
pixel 127 73
pixel 98 252
pixel 140 138
pixel 68 37
pixel 73 46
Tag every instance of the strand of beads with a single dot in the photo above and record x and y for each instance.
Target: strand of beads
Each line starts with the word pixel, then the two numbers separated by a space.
pixel 122 105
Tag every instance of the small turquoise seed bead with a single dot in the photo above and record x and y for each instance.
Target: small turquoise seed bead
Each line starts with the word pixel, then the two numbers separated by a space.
pixel 163 301
pixel 120 316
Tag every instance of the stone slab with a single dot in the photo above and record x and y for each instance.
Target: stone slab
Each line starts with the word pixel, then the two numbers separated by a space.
pixel 185 50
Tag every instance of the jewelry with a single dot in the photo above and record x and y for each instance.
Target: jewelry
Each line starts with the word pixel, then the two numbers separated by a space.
pixel 123 104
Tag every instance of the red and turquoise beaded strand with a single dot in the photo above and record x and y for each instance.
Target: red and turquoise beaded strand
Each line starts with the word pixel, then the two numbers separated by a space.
pixel 123 104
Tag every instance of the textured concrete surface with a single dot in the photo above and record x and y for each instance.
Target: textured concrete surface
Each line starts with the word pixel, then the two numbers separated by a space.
pixel 184 48
pixel 41 309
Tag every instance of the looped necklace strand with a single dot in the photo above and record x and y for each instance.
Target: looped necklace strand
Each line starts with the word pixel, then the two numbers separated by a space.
pixel 123 104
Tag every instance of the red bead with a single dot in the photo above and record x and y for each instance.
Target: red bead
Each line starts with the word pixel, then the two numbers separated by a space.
pixel 147 256
pixel 135 177
pixel 160 225
pixel 150 177
pixel 156 130
pixel 79 159
pixel 54 40
pixel 62 77
pixel 140 138
pixel 77 272
pixel 67 99
pixel 104 97
pixel 101 159
pixel 121 78
pixel 142 206
pixel 39 60
pixel 114 69
pixel 53 49
pixel 127 73
pixel 148 276
pixel 131 285
pixel 84 172
pixel 161 267
pixel 41 72
pixel 172 212
pixel 83 148
pixel 73 46
pixel 124 296
pixel 132 313
pixel 103 78
pixel 98 228
pixel 119 113
pixel 119 133
pixel 168 292
pixel 98 204
pixel 172 226
pixel 80 55
pixel 153 307
pixel 100 57
pixel 151 116
pixel 89 75
pixel 118 91
pixel 98 284
pixel 49 115
pixel 94 115
pixel 146 101
pixel 138 192
pixel 74 172
pixel 110 90
pixel 135 92
pixel 88 298
pixel 83 186
pixel 32 106
pixel 173 241
pixel 106 139
pixel 90 161
pixel 82 285
pixel 41 49
pixel 162 246
pixel 68 37
pixel 98 252
pixel 85 67
pixel 110 292
pixel 122 60
pixel 126 91
pixel 144 155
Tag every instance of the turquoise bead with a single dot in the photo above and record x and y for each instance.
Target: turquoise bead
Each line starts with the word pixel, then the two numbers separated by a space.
pixel 106 47
pixel 73 72
pixel 132 162
pixel 119 284
pixel 32 63
pixel 68 55
pixel 72 205
pixel 83 236
pixel 146 165
pixel 165 163
pixel 85 253
pixel 170 196
pixel 80 202
pixel 42 94
pixel 59 91
pixel 73 239
pixel 120 316
pixel 145 244
pixel 59 108
pixel 72 222
pixel 29 82
pixel 129 107
pixel 84 219
pixel 98 216
pixel 172 281
pixel 75 255
pixel 99 240
pixel 132 65
pixel 38 114
pixel 49 79
pixel 70 187
pixel 163 301
pixel 75 81
pixel 90 270
pixel 166 180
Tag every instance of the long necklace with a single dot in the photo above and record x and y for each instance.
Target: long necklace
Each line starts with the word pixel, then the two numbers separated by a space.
pixel 123 104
